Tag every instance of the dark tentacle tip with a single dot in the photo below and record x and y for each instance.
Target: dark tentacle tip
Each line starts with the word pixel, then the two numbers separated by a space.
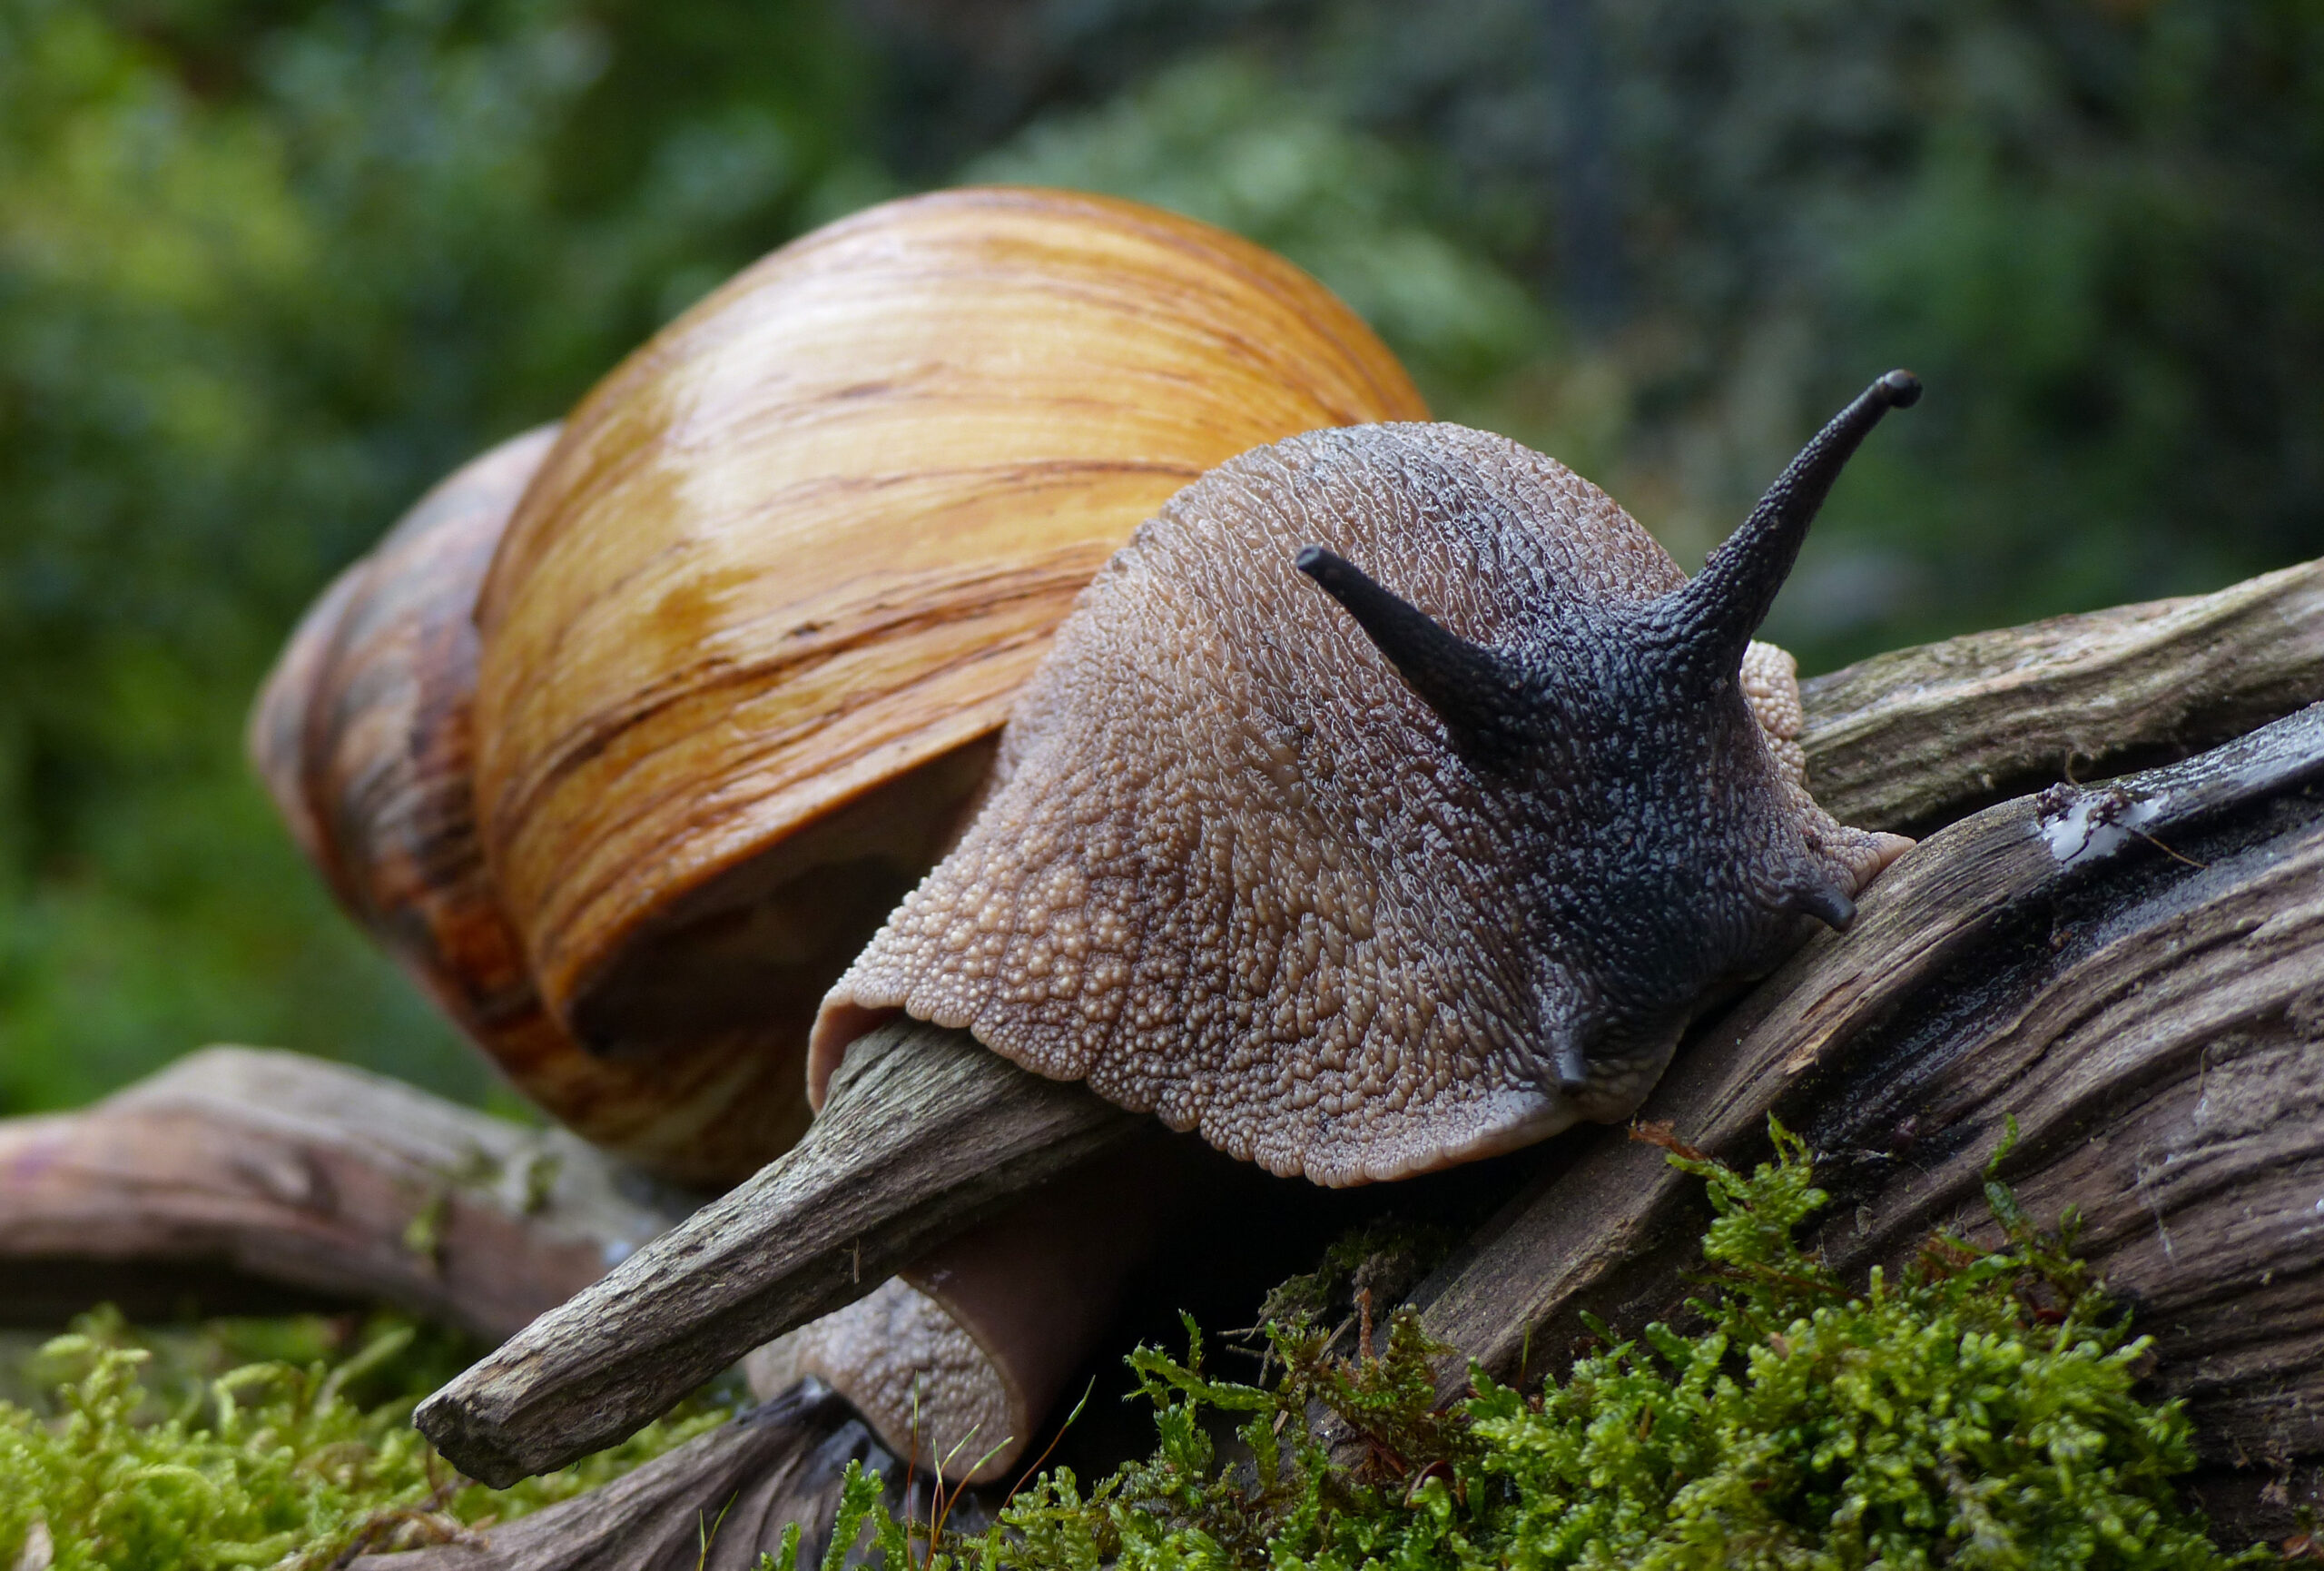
pixel 1825 905
pixel 1315 562
pixel 1573 1069
pixel 1902 388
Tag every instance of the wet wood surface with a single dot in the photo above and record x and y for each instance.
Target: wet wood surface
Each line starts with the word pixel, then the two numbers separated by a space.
pixel 2148 1005
pixel 716 1504
pixel 242 1179
pixel 1914 739
pixel 1955 719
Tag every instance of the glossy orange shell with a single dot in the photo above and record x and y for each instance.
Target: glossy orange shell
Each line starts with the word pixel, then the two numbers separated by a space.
pixel 754 627
pixel 363 735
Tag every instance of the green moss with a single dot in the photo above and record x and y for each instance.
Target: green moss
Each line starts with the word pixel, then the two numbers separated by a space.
pixel 146 1457
pixel 1978 1410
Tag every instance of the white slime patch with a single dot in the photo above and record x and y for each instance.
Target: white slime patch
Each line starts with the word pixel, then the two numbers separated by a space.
pixel 2098 824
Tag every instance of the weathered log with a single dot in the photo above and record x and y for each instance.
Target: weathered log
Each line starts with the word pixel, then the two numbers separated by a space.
pixel 1955 999
pixel 1958 719
pixel 1914 739
pixel 2134 972
pixel 925 1134
pixel 242 1178
pixel 714 1504
pixel 258 1181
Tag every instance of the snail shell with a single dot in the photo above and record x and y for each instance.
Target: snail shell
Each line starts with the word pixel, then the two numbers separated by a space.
pixel 626 738
pixel 755 625
pixel 363 736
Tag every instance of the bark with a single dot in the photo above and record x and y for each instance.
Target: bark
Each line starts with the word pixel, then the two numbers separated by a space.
pixel 245 1179
pixel 2148 1005
pixel 925 1134
pixel 1911 740
pixel 1897 741
pixel 716 1504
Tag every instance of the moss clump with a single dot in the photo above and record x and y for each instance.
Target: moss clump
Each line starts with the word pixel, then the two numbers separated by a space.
pixel 140 1465
pixel 1979 1411
pixel 1378 1262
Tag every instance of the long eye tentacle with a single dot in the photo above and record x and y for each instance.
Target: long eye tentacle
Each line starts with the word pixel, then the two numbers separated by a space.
pixel 1706 623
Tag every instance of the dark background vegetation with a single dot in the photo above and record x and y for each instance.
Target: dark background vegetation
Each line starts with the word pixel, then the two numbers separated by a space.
pixel 269 267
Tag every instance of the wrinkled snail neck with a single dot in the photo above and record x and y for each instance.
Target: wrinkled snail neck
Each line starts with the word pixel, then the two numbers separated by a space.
pixel 1688 644
pixel 1494 707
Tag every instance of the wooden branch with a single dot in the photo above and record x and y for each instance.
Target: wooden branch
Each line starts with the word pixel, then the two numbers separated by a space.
pixel 2146 1019
pixel 926 1133
pixel 1903 740
pixel 259 1174
pixel 1911 740
pixel 2132 972
pixel 778 1465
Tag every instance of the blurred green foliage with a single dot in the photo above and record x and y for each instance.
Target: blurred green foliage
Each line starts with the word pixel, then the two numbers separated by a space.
pixel 269 267
pixel 266 271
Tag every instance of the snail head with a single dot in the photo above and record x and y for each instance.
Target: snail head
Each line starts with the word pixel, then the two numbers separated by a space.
pixel 1670 851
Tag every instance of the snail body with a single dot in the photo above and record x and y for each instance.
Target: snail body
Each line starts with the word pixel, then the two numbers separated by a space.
pixel 1358 888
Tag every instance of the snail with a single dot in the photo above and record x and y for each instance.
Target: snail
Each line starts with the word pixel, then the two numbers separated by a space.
pixel 1354 889
pixel 1353 886
pixel 630 733
pixel 1388 800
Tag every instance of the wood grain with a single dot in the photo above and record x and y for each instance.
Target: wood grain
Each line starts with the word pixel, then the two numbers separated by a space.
pixel 926 1133
pixel 2150 1016
pixel 236 1168
pixel 1598 1222
pixel 1911 740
